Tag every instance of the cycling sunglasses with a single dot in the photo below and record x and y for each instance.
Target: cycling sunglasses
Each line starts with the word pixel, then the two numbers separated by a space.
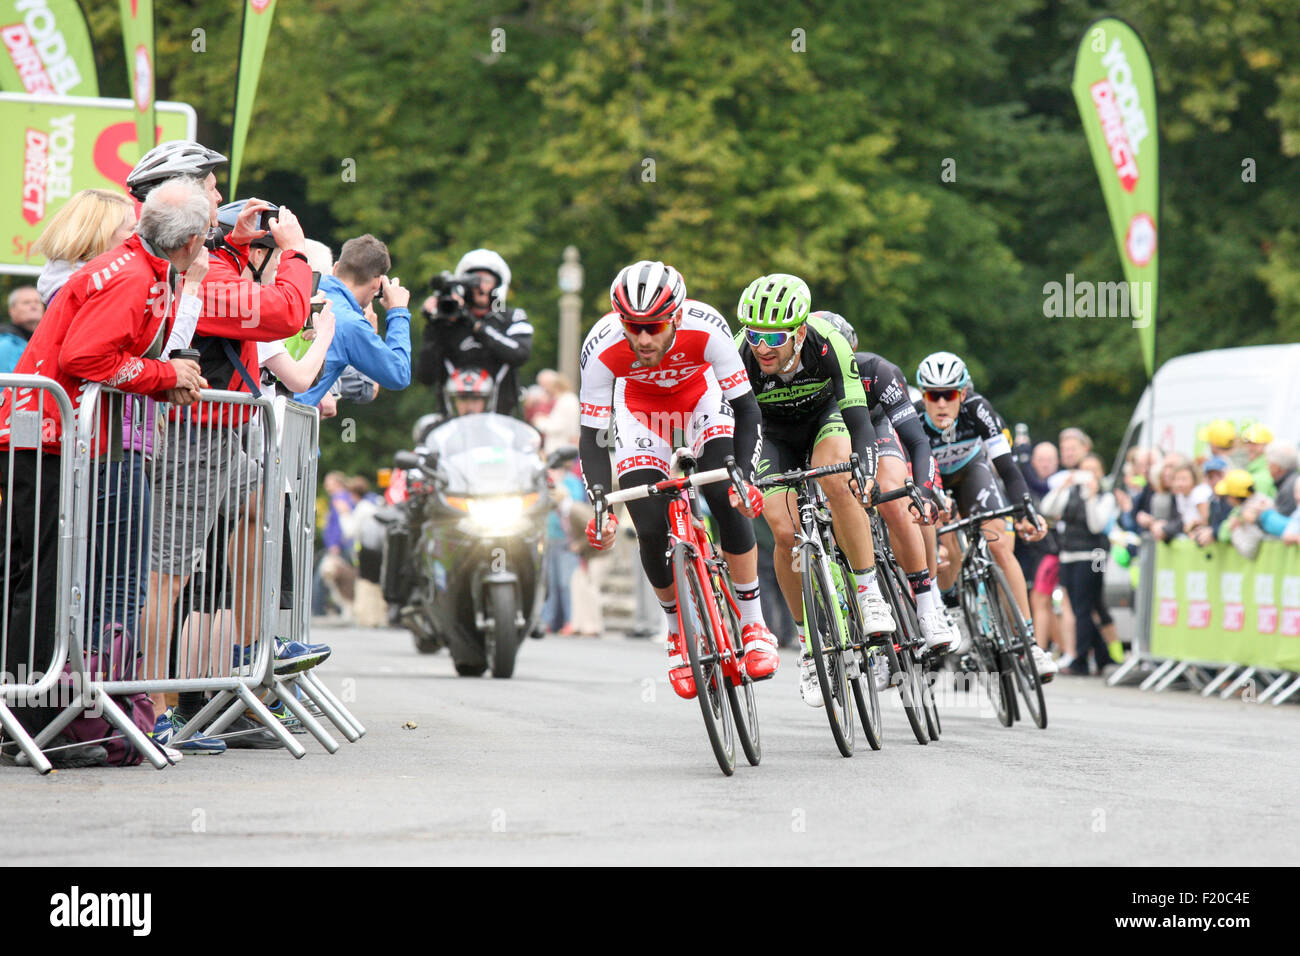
pixel 773 340
pixel 652 328
pixel 943 394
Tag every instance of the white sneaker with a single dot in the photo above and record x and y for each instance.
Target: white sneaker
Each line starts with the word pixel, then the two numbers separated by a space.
pixel 809 687
pixel 1047 668
pixel 876 615
pixel 939 631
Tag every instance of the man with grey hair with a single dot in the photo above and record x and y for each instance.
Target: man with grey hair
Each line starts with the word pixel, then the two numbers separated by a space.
pixel 108 324
pixel 1282 460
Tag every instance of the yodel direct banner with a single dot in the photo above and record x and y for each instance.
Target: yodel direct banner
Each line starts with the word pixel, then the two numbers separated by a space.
pixel 47 49
pixel 59 146
pixel 137 38
pixel 1116 95
pixel 1215 606
pixel 252 48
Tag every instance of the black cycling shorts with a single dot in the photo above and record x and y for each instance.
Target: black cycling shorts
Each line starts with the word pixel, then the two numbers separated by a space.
pixel 887 443
pixel 787 448
pixel 976 488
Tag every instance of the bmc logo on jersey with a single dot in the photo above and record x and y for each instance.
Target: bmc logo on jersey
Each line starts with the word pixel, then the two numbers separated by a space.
pixel 664 377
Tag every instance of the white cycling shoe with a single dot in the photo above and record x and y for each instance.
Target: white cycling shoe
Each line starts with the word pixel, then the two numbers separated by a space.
pixel 809 687
pixel 1047 668
pixel 876 614
pixel 940 632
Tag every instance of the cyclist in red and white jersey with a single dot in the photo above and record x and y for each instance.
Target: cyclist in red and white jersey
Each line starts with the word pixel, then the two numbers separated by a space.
pixel 658 372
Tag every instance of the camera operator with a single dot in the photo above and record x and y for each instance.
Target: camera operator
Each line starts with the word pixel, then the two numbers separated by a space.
pixel 469 326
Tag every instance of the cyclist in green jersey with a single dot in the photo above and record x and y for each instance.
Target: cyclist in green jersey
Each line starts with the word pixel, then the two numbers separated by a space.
pixel 814 413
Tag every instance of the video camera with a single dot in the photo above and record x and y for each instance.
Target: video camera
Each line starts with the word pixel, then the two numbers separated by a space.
pixel 447 286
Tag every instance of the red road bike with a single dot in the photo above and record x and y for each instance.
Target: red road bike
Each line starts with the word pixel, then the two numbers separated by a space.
pixel 707 613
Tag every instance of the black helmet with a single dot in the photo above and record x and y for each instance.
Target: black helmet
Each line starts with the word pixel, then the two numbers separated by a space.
pixel 177 157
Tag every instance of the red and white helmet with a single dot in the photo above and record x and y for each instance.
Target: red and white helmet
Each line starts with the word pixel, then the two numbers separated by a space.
pixel 472 382
pixel 648 291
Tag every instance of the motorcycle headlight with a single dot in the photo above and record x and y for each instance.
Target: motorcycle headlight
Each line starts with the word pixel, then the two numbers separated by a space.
pixel 501 513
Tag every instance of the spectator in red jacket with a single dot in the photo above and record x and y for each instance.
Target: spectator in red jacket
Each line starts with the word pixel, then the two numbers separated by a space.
pixel 108 325
pixel 206 499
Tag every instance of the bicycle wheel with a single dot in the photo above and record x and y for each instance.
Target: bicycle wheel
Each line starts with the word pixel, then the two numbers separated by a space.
pixel 980 624
pixel 827 644
pixel 1016 635
pixel 701 650
pixel 861 675
pixel 924 659
pixel 903 657
pixel 741 698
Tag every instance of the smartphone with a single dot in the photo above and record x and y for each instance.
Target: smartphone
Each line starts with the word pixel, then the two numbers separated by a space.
pixel 315 284
pixel 379 296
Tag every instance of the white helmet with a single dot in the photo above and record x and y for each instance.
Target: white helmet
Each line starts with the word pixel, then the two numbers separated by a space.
pixel 942 370
pixel 647 290
pixel 488 261
pixel 177 157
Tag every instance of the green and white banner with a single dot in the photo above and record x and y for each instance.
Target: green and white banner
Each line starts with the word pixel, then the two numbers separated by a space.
pixel 1116 95
pixel 56 146
pixel 47 49
pixel 1213 605
pixel 137 38
pixel 252 48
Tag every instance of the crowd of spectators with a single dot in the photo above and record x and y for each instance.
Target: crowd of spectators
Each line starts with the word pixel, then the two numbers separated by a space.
pixel 1241 490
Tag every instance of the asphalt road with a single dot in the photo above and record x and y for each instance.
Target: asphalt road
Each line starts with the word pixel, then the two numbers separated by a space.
pixel 586 756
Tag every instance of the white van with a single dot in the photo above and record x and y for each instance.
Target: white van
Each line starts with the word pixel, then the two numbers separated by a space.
pixel 1256 383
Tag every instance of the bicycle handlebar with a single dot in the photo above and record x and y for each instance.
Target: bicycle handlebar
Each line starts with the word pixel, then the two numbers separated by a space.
pixel 729 472
pixel 798 476
pixel 1024 509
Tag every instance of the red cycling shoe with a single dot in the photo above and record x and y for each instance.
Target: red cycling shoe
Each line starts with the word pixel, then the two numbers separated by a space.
pixel 761 658
pixel 679 669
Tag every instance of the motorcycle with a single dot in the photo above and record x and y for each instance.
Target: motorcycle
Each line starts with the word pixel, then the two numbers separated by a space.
pixel 463 555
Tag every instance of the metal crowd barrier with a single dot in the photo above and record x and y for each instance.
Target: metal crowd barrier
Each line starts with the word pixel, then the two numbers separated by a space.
pixel 174 526
pixel 1206 676
pixel 172 546
pixel 297 443
pixel 35 615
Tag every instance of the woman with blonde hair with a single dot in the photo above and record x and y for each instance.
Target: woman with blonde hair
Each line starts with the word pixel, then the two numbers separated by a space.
pixel 89 224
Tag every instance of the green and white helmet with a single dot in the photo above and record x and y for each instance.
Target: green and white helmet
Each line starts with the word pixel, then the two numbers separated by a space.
pixel 776 301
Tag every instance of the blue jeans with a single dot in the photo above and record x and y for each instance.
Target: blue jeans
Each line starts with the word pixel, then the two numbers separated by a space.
pixel 118 569
pixel 558 565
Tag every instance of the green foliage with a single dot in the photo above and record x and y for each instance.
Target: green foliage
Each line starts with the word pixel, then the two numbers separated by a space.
pixel 736 139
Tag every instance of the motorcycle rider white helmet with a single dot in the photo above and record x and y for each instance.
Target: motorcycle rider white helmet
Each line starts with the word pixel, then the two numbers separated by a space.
pixel 492 262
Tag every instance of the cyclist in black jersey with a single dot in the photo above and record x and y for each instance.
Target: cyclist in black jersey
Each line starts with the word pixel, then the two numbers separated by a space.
pixel 904 451
pixel 814 412
pixel 971 451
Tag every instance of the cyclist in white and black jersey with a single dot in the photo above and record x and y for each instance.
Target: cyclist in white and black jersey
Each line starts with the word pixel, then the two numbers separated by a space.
pixel 971 452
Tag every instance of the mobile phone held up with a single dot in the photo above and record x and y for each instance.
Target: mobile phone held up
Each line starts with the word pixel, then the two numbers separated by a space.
pixel 315 306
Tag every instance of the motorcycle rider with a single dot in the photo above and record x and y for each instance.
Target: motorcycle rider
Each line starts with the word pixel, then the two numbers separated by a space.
pixel 482 334
pixel 469 391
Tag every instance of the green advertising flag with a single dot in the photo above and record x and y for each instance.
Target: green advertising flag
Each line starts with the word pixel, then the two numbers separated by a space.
pixel 60 146
pixel 137 38
pixel 1116 95
pixel 252 47
pixel 48 49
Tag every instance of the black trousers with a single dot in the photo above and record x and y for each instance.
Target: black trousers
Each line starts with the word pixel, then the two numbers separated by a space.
pixel 29 540
pixel 1084 585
